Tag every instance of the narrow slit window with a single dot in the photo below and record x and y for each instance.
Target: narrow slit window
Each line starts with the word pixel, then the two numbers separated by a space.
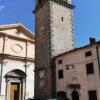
pixel 62 18
pixel 60 74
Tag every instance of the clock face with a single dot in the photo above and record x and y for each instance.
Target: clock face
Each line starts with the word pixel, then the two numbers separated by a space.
pixel 17 48
pixel 41 31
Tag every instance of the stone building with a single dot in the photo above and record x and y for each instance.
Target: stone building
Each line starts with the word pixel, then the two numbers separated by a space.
pixel 16 62
pixel 78 73
pixel 54 36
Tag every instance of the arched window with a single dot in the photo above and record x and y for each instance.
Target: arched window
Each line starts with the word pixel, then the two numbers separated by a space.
pixel 75 95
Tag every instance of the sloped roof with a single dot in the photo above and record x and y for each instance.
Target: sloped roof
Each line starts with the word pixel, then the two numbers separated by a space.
pixel 19 26
pixel 76 49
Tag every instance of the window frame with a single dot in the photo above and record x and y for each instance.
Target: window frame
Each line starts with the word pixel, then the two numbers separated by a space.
pixel 60 74
pixel 88 53
pixel 60 61
pixel 91 94
pixel 90 68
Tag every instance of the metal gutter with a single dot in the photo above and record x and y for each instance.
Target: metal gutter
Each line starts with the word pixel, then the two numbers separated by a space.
pixel 98 59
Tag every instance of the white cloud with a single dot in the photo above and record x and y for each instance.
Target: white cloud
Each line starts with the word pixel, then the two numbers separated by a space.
pixel 2 7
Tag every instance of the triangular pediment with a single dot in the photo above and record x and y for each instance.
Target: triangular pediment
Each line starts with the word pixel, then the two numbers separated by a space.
pixel 17 30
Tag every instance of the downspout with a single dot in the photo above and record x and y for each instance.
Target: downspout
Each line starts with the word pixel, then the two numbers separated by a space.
pixel 2 63
pixel 97 50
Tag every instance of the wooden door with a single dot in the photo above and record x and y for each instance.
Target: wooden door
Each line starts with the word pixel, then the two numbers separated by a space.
pixel 14 91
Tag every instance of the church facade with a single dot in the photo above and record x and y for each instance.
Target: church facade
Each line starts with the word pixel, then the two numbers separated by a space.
pixel 16 62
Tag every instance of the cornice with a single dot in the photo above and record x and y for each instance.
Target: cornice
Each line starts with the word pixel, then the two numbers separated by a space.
pixel 8 56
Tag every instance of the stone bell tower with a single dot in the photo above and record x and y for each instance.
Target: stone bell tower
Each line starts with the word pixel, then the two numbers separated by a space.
pixel 54 36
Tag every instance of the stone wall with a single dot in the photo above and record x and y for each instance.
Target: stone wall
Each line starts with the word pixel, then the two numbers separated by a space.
pixel 54 35
pixel 42 36
pixel 43 86
pixel 62 35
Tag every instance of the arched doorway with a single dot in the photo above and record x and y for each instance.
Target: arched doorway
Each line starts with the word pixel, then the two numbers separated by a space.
pixel 61 95
pixel 75 95
pixel 15 85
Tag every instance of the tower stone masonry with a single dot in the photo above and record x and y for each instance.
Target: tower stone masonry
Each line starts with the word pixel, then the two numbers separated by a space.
pixel 54 36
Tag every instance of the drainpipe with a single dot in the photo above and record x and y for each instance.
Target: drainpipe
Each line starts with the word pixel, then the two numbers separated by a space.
pixel 97 50
pixel 2 63
pixel 1 75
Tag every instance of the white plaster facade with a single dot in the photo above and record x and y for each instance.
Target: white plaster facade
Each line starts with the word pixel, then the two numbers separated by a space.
pixel 17 53
pixel 73 64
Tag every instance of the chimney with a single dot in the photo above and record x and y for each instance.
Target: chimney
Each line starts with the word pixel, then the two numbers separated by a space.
pixel 92 40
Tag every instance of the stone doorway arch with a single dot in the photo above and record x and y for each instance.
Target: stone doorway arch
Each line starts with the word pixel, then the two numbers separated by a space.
pixel 15 85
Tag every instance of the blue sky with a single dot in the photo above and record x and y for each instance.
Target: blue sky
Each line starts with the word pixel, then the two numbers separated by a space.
pixel 86 20
pixel 86 17
pixel 12 11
